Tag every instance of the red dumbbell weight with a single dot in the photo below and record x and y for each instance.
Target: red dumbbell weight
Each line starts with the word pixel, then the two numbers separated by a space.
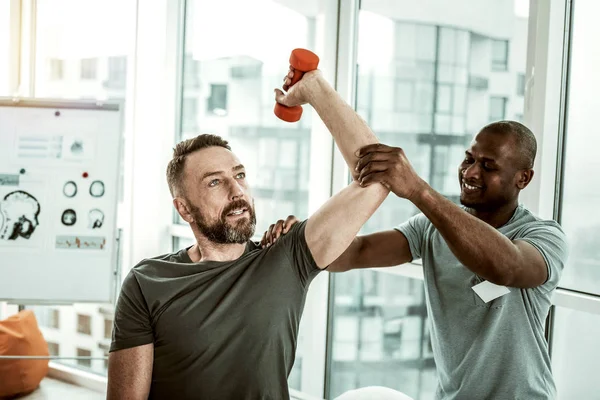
pixel 303 61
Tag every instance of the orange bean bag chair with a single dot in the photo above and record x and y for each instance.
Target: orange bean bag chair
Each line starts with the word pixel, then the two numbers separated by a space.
pixel 21 336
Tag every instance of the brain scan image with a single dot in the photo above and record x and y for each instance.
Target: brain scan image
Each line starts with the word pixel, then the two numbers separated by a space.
pixel 19 213
pixel 70 189
pixel 97 189
pixel 95 219
pixel 69 217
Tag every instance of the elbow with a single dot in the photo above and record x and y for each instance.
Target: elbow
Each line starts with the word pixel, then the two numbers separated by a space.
pixel 349 259
pixel 503 275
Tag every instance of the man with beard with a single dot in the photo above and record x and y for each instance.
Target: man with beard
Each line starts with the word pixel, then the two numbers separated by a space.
pixel 490 267
pixel 219 320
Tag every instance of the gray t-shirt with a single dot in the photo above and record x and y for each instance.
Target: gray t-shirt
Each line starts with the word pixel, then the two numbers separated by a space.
pixel 493 350
pixel 221 330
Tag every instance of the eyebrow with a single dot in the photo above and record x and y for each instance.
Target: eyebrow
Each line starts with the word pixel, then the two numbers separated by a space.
pixel 483 158
pixel 234 169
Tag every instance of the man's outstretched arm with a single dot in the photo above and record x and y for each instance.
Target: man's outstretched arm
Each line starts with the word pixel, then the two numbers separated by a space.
pixel 348 129
pixel 331 229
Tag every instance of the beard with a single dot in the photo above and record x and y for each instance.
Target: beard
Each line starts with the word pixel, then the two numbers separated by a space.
pixel 223 231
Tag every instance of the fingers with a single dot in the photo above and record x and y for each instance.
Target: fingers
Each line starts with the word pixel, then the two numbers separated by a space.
pixel 370 148
pixel 269 236
pixel 287 80
pixel 371 168
pixel 280 97
pixel 289 222
pixel 371 157
pixel 264 240
pixel 272 234
pixel 277 229
pixel 376 177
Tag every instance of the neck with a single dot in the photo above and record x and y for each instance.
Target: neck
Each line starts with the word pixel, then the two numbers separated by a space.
pixel 497 217
pixel 205 250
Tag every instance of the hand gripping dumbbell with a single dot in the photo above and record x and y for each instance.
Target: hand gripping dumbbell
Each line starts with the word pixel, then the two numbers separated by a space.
pixel 303 61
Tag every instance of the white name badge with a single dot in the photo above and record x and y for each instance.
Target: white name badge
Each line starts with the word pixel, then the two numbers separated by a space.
pixel 489 291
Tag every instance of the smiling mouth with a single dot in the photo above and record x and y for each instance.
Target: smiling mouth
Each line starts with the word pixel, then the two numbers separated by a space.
pixel 237 212
pixel 471 188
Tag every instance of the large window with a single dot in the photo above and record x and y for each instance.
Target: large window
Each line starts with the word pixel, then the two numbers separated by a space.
pixel 422 86
pixel 581 188
pixel 235 96
pixel 78 58
pixel 227 89
pixel 4 47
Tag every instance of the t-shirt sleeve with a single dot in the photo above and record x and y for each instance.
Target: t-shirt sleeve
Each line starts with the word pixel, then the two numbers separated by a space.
pixel 414 231
pixel 131 327
pixel 300 256
pixel 550 240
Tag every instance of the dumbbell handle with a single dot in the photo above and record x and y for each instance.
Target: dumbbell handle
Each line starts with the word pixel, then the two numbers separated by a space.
pixel 302 61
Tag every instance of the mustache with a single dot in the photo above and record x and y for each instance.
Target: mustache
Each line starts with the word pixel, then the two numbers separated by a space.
pixel 237 204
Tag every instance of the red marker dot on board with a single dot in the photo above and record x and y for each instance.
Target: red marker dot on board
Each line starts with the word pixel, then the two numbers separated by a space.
pixel 85 175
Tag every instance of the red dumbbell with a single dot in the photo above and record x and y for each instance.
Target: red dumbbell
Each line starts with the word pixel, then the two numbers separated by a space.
pixel 303 61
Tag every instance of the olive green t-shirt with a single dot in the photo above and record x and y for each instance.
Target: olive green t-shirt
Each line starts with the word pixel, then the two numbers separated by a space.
pixel 221 330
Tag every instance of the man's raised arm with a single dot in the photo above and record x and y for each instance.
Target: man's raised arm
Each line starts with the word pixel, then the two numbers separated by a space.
pixel 331 229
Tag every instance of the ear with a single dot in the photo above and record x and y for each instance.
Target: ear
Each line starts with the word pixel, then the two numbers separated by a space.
pixel 524 176
pixel 183 209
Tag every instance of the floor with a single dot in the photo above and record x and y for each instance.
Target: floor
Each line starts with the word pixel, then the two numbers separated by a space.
pixel 52 389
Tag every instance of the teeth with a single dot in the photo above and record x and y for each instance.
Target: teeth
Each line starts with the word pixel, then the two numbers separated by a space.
pixel 237 212
pixel 470 187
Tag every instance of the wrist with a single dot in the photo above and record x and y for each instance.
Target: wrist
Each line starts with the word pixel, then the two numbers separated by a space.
pixel 319 91
pixel 421 194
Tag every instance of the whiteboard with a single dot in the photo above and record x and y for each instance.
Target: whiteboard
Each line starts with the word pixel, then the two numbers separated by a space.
pixel 59 176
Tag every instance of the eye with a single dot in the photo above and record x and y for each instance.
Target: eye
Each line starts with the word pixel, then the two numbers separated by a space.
pixel 488 167
pixel 213 183
pixel 241 175
pixel 468 160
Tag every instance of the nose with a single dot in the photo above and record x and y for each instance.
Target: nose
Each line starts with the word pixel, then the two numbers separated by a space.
pixel 236 190
pixel 472 172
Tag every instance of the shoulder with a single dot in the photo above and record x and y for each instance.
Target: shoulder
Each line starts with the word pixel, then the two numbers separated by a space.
pixel 150 263
pixel 531 224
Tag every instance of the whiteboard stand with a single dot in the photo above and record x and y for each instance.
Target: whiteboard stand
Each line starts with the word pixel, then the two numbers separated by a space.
pixel 118 266
pixel 59 186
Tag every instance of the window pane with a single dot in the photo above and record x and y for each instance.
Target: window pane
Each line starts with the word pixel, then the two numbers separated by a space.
pixel 499 55
pixel 72 329
pixel 447 45
pixel 497 108
pixel 575 354
pixel 228 83
pixel 452 83
pixel 444 99
pixel 4 47
pixel 381 335
pixel 79 58
pixel 84 353
pixel 84 324
pixel 404 96
pixel 581 192
pixel 521 84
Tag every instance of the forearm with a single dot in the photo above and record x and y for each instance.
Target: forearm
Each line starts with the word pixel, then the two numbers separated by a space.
pixel 348 129
pixel 476 244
